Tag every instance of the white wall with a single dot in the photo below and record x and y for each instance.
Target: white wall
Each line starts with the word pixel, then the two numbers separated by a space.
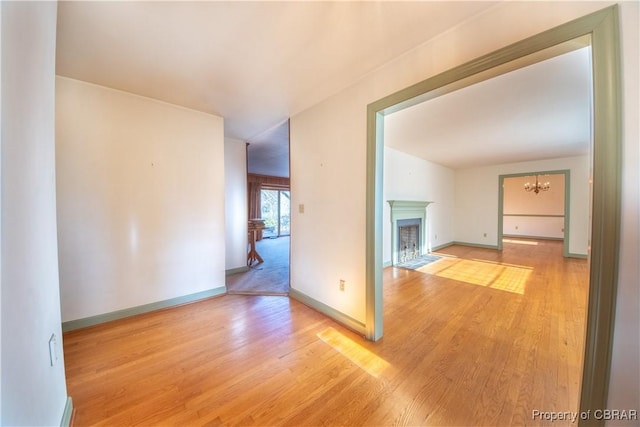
pixel 328 163
pixel 140 200
pixel 517 201
pixel 477 200
pixel 534 226
pixel 33 391
pixel 235 178
pixel 328 178
pixel 408 177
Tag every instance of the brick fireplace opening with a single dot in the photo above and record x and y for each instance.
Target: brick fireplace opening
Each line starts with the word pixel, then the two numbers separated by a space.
pixel 409 239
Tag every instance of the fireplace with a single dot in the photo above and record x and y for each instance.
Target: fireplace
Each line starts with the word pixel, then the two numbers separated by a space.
pixel 408 230
pixel 409 234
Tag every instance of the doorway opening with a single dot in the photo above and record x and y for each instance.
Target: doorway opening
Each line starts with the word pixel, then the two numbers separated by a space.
pixel 269 210
pixel 546 214
pixel 602 30
pixel 268 261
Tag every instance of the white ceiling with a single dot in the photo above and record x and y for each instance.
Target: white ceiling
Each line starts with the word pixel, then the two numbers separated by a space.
pixel 254 63
pixel 540 111
pixel 257 63
pixel 268 154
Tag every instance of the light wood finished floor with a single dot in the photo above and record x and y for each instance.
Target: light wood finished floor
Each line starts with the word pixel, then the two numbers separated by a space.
pixel 482 338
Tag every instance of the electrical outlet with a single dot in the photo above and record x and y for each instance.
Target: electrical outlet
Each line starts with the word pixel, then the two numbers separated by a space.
pixel 301 208
pixel 485 234
pixel 342 283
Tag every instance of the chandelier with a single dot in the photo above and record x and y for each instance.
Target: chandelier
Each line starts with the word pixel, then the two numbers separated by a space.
pixel 537 187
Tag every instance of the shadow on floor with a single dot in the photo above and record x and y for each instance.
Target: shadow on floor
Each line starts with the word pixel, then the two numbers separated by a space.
pixel 268 278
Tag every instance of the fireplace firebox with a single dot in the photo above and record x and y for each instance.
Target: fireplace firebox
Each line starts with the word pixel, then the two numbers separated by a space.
pixel 409 239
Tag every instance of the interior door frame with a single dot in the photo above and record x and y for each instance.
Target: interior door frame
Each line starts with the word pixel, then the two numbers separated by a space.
pixel 603 29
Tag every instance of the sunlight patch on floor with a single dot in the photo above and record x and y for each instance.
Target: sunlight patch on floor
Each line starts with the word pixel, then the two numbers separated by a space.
pixel 521 242
pixel 365 359
pixel 504 277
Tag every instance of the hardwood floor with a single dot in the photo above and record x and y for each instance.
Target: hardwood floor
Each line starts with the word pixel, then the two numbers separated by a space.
pixel 485 348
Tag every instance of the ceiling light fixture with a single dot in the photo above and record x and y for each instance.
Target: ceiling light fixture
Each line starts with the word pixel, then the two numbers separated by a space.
pixel 537 187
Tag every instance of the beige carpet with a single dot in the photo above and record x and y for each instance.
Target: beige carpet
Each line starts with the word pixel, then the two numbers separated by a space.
pixel 268 278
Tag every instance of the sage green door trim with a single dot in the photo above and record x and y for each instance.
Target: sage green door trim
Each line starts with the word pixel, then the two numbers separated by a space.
pixel 373 276
pixel 535 215
pixel 567 205
pixel 67 413
pixel 603 29
pixel 605 225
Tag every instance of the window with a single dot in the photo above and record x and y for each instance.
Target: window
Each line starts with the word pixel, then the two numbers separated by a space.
pixel 276 212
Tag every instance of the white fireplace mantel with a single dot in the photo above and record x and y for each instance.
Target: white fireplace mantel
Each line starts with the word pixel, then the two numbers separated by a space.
pixel 407 209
